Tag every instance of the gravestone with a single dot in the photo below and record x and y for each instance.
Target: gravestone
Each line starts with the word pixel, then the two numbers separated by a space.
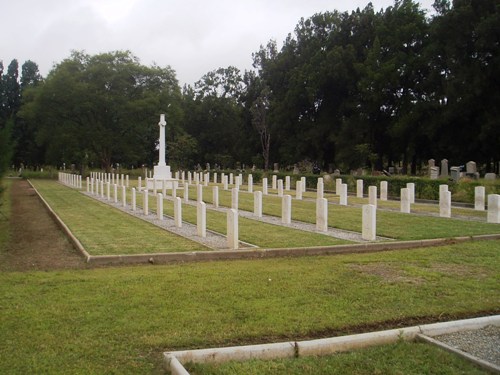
pixel 405 201
pixel 343 195
pixel 159 206
pixel 178 212
pixel 320 187
pixel 276 168
pixel 264 186
pixel 479 194
pixel 134 200
pixel 145 202
pixel 234 198
pixel 383 190
pixel 280 187
pixel 322 214
pixel 444 168
pixel 298 190
pixel 369 224
pixel 490 176
pixel 296 169
pixel 257 203
pixel 372 195
pixel 411 191
pixel 162 170
pixel 215 196
pixel 445 204
pixel 286 209
pixel 493 208
pixel 359 188
pixel 232 229
pixel 201 219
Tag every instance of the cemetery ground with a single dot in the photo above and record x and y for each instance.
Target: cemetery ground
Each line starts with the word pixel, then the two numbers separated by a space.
pixel 64 316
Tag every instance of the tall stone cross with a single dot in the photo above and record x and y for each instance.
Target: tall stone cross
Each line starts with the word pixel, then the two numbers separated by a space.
pixel 162 124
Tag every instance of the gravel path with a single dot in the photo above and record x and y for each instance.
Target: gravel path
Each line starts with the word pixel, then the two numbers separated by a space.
pixel 482 343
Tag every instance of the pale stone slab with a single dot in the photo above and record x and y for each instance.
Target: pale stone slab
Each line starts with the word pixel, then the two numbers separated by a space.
pixel 124 196
pixel 201 219
pixel 88 184
pixel 231 179
pixel 369 230
pixel 287 183
pixel 178 212
pixel 479 198
pixel 264 186
pixel 127 181
pixel 405 201
pixel 215 177
pixel 250 183
pixel 304 184
pixel 445 204
pixel 372 195
pixel 257 203
pixel 280 187
pixel 190 178
pixel 338 183
pixel 139 184
pixel 225 182
pixel 411 189
pixel 207 178
pixel 274 182
pixel 234 198
pixel 215 196
pixel 298 190
pixel 186 192
pixel 232 229
pixel 493 208
pixel 134 200
pixel 102 189
pixel 108 191
pixel 383 190
pixel 359 188
pixel 145 202
pixel 164 188
pixel 343 195
pixel 286 209
pixel 322 214
pixel 115 193
pixel 320 188
pixel 199 193
pixel 159 206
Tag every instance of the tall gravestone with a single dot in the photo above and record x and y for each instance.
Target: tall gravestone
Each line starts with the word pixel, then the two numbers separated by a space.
pixel 444 168
pixel 162 170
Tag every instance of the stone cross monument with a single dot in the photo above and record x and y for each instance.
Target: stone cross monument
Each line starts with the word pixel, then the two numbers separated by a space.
pixel 161 172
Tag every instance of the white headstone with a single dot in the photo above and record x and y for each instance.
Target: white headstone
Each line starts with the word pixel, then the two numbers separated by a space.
pixel 145 202
pixel 178 212
pixel 445 204
pixel 215 196
pixel 286 209
pixel 108 191
pixel 359 188
pixel 304 184
pixel 186 192
pixel 287 183
pixel 479 198
pixel 250 183
pixel 199 193
pixel 225 182
pixel 201 219
pixel 231 178
pixel 134 200
pixel 493 208
pixel 159 206
pixel 298 190
pixel 115 193
pixel 273 182
pixel 124 196
pixel 338 183
pixel 88 184
pixel 372 195
pixel 322 214
pixel 280 187
pixel 234 198
pixel 232 229
pixel 383 190
pixel 320 188
pixel 257 203
pixel 411 190
pixel 343 194
pixel 405 201
pixel 264 186
pixel 139 184
pixel 369 231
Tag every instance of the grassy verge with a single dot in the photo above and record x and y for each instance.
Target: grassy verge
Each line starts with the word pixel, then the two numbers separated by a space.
pixel 401 358
pixel 119 320
pixel 5 203
pixel 104 230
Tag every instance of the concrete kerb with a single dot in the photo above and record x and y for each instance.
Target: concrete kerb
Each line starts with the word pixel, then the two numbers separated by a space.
pixel 174 360
pixel 255 253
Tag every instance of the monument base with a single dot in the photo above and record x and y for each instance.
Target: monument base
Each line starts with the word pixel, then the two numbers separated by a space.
pixel 161 174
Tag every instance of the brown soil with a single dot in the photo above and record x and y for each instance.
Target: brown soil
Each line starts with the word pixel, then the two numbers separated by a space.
pixel 36 242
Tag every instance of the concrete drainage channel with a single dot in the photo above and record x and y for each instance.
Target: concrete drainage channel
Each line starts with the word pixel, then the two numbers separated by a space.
pixel 174 360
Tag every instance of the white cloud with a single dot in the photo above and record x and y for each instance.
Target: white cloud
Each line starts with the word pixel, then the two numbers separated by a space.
pixel 193 37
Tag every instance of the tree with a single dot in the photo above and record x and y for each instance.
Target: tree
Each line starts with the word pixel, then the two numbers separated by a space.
pixel 103 109
pixel 259 111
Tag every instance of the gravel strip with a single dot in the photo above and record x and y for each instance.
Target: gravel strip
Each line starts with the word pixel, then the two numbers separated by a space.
pixel 482 343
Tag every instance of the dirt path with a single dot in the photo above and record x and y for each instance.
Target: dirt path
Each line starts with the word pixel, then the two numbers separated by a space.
pixel 36 242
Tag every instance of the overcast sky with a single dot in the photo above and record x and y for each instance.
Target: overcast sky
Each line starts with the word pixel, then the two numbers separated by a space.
pixel 193 37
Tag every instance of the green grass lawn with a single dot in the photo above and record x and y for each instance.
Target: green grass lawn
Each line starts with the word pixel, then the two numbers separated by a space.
pixel 409 358
pixel 104 230
pixel 120 320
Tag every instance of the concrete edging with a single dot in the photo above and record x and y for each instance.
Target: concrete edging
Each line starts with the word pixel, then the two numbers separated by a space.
pixel 321 346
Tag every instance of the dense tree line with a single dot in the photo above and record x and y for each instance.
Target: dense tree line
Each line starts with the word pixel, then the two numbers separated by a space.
pixel 346 90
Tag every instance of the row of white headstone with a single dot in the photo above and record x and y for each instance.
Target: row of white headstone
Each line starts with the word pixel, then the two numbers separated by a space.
pixel 112 178
pixel 70 179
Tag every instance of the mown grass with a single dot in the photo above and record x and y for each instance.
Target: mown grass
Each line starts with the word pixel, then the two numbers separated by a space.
pixel 119 320
pixel 104 230
pixel 409 358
